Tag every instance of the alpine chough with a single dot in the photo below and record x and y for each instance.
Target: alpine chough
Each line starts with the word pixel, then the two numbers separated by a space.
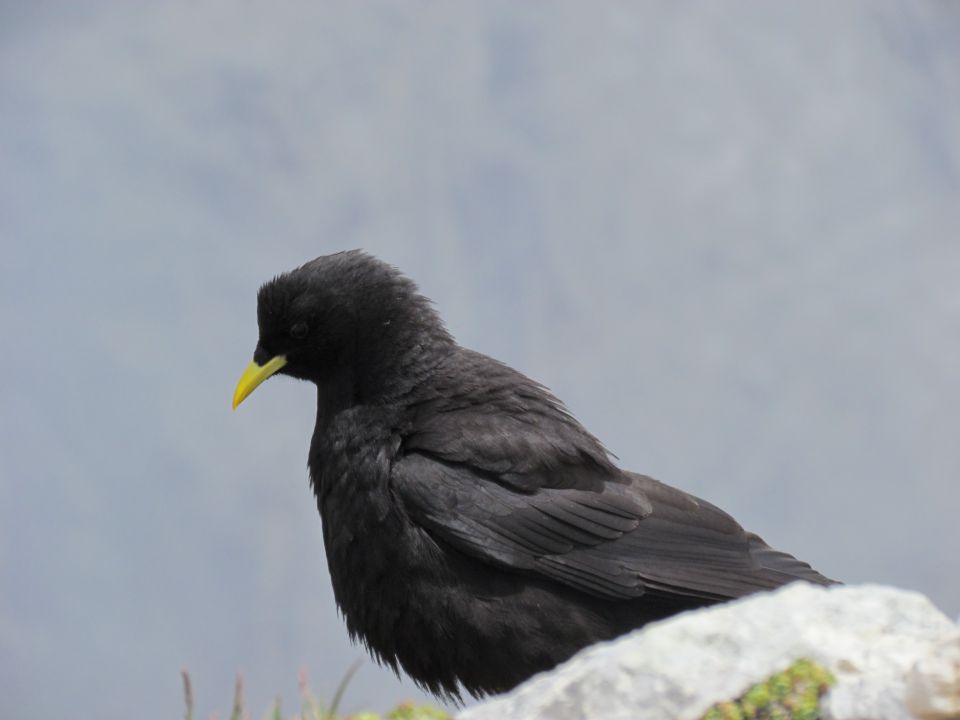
pixel 475 532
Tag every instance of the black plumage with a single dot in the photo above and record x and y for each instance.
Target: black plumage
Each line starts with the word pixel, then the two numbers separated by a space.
pixel 475 532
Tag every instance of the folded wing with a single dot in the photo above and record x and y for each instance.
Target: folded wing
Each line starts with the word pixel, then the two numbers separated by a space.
pixel 626 537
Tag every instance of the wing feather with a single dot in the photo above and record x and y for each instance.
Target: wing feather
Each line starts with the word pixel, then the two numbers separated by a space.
pixel 622 541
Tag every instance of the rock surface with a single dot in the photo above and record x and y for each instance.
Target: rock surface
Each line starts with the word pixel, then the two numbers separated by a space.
pixel 894 656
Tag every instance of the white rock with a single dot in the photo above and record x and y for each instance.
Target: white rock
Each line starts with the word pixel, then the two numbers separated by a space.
pixel 893 653
pixel 933 684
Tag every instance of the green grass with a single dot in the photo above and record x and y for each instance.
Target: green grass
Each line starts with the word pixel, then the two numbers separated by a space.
pixel 312 709
pixel 793 694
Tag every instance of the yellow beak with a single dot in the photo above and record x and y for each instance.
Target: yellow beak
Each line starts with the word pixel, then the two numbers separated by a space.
pixel 254 375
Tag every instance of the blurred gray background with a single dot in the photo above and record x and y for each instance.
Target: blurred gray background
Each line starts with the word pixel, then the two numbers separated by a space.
pixel 726 234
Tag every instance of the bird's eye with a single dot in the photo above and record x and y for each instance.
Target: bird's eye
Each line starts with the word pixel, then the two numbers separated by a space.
pixel 298 331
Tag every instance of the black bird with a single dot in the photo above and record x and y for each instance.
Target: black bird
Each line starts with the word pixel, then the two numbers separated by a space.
pixel 475 532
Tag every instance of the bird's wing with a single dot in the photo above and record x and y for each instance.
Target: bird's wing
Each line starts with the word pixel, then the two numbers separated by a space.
pixel 627 537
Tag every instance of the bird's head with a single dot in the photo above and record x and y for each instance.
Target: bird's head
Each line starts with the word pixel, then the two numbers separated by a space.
pixel 347 318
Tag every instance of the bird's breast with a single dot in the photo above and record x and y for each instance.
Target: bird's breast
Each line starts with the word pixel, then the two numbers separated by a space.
pixel 366 539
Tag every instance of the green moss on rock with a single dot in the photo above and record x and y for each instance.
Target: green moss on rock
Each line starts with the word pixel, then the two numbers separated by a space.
pixel 405 711
pixel 409 711
pixel 793 694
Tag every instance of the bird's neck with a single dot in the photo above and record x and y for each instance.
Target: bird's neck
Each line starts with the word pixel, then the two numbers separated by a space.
pixel 397 360
pixel 384 370
pixel 335 393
